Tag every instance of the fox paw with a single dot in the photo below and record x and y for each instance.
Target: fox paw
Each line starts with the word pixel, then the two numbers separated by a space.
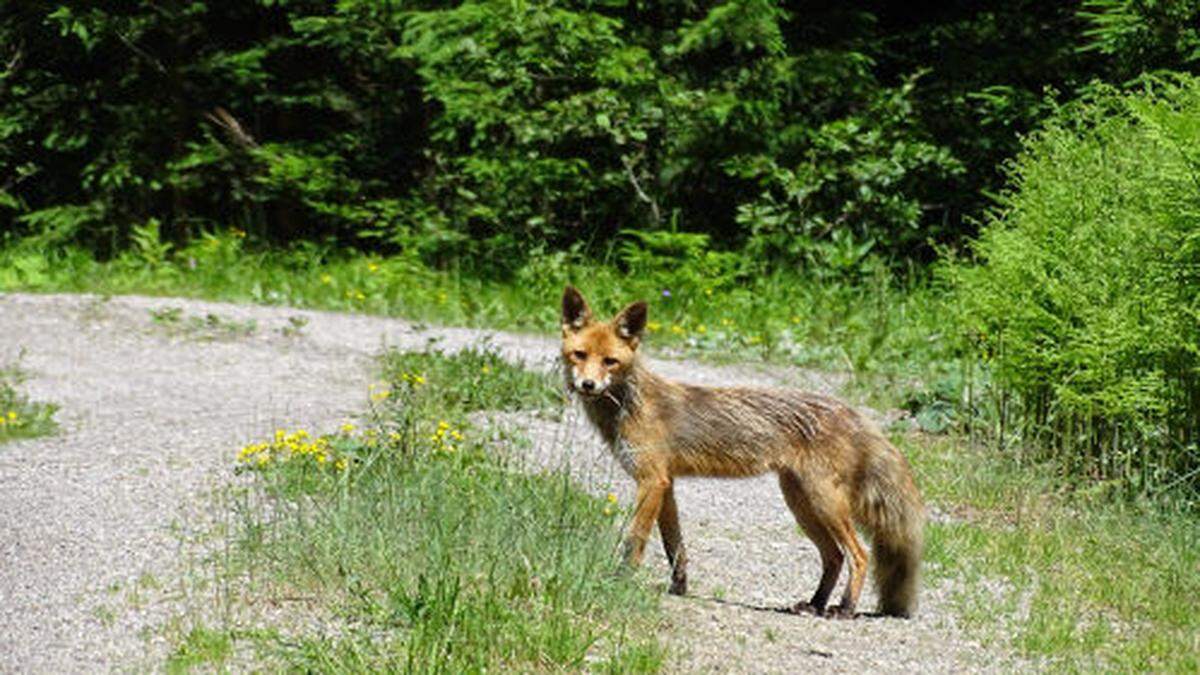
pixel 678 586
pixel 806 608
pixel 839 612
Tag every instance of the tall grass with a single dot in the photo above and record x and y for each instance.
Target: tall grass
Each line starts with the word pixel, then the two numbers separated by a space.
pixel 1084 309
pixel 423 549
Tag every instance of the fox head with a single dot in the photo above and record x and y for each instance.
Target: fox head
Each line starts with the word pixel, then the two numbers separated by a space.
pixel 598 355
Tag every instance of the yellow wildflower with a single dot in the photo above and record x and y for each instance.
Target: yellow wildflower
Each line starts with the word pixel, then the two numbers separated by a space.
pixel 347 428
pixel 326 279
pixel 612 498
pixel 372 268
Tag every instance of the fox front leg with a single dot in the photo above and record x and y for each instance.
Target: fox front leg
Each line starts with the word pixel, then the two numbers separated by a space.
pixel 651 491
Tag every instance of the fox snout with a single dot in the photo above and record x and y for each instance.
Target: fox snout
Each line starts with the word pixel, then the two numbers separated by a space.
pixel 587 384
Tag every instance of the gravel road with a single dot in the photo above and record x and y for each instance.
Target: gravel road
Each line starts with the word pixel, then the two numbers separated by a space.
pixel 153 411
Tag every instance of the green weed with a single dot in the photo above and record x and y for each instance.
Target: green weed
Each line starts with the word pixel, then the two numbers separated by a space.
pixel 200 647
pixel 19 416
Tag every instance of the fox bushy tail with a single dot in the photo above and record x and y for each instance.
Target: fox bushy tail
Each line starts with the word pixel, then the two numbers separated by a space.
pixel 890 507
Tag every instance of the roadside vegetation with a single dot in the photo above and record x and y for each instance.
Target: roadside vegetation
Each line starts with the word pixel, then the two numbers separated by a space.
pixel 417 546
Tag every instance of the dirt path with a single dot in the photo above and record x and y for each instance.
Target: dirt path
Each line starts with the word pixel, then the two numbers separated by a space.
pixel 89 536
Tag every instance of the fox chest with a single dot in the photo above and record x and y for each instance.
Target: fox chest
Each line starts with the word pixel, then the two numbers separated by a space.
pixel 625 454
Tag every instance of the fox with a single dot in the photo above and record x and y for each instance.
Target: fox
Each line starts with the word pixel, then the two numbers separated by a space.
pixel 835 468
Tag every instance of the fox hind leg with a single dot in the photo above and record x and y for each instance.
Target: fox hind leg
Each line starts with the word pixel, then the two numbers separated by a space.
pixel 831 555
pixel 672 537
pixel 843 531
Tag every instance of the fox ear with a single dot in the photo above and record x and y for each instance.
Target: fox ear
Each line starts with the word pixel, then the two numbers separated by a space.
pixel 575 312
pixel 631 322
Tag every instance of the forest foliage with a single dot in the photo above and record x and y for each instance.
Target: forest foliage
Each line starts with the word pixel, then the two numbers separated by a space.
pixel 813 133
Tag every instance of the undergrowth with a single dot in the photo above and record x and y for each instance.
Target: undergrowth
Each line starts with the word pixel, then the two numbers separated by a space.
pixel 419 548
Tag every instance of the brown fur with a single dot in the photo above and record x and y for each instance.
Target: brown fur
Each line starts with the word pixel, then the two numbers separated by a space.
pixel 835 469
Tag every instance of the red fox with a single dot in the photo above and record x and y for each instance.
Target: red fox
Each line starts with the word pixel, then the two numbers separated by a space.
pixel 835 468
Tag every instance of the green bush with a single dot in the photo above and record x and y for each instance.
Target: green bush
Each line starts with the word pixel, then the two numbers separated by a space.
pixel 1085 304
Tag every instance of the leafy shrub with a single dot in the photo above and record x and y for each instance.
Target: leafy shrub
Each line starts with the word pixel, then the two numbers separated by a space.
pixel 1085 303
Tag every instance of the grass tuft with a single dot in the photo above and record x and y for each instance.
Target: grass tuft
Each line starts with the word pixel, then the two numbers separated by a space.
pixel 427 550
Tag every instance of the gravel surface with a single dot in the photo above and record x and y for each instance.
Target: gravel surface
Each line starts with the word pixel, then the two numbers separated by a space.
pixel 153 412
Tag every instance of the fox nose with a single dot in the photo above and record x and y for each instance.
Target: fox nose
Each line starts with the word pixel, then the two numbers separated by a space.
pixel 588 385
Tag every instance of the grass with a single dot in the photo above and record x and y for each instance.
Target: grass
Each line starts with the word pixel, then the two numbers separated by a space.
pixel 416 546
pixel 20 417
pixel 1083 581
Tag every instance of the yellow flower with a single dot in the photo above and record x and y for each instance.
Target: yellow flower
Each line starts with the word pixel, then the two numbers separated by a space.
pixel 443 424
pixel 372 268
pixel 347 428
pixel 456 435
pixel 795 319
pixel 701 329
pixel 239 234
pixel 358 295
pixel 326 279
pixel 708 292
pixel 418 379
pixel 677 329
pixel 612 498
pixel 380 395
pixel 485 370
pixel 341 464
pixel 653 326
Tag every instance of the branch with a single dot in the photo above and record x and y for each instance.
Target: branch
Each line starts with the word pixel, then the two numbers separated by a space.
pixel 640 192
pixel 221 117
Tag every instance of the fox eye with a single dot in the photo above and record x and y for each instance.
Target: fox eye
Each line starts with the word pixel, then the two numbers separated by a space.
pixel 610 361
pixel 580 355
